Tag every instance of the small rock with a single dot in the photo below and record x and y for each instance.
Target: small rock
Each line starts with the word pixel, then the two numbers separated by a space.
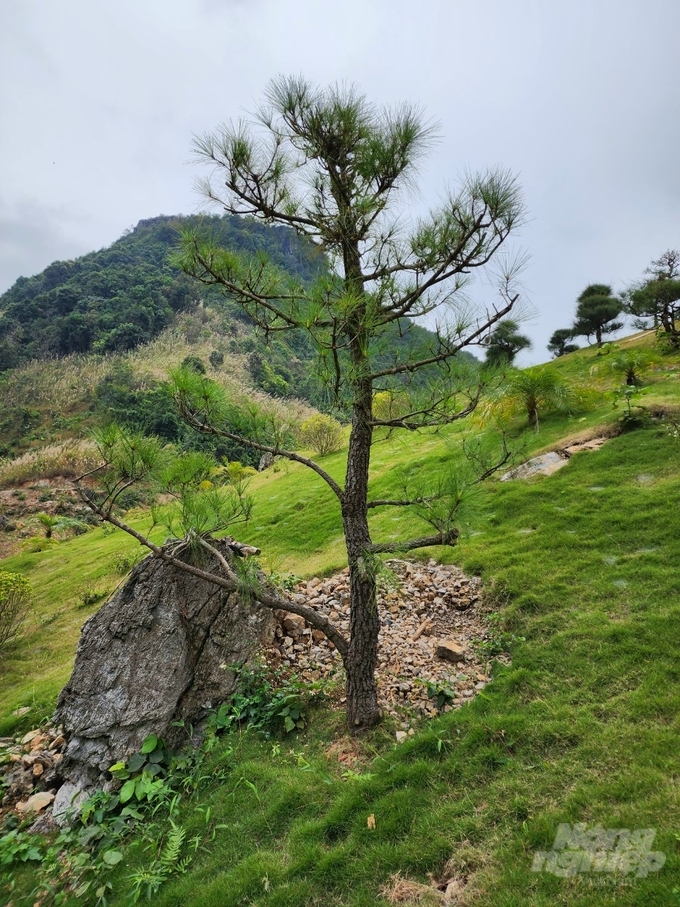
pixel 293 624
pixel 401 736
pixel 449 651
pixel 35 803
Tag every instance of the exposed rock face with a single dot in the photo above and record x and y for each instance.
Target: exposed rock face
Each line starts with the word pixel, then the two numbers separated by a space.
pixel 156 653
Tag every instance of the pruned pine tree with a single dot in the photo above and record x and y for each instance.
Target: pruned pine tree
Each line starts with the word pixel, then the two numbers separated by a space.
pixel 505 342
pixel 658 297
pixel 333 167
pixel 559 344
pixel 596 312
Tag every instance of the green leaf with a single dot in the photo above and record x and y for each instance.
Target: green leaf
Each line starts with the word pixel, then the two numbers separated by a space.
pixel 135 762
pixel 289 724
pixel 111 857
pixel 130 811
pixel 127 790
pixel 150 744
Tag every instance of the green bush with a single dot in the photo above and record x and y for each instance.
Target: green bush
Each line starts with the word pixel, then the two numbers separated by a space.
pixel 322 433
pixel 15 598
pixel 194 364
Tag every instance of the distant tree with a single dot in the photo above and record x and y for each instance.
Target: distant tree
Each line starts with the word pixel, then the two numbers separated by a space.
pixel 322 433
pixel 559 344
pixel 666 266
pixel 505 342
pixel 534 391
pixel 658 298
pixel 596 312
pixel 216 359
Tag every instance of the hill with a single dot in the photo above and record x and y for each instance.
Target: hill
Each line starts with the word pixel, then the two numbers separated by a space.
pixel 122 296
pixel 581 726
pixel 92 339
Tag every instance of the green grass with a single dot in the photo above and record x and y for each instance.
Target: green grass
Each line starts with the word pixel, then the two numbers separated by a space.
pixel 583 727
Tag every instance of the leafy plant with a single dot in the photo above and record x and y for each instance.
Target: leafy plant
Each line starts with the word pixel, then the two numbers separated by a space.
pixel 442 693
pixel 15 598
pixel 166 864
pixel 124 561
pixel 143 771
pixel 266 702
pixel 634 415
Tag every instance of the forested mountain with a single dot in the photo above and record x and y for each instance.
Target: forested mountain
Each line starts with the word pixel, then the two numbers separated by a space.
pixel 119 297
pixel 115 299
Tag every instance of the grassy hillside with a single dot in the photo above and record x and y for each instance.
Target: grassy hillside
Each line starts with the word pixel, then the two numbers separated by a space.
pixel 581 573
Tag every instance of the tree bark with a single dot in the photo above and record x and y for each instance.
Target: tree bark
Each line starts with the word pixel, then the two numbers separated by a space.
pixel 360 662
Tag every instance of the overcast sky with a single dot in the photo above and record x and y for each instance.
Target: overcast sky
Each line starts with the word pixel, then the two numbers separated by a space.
pixel 580 98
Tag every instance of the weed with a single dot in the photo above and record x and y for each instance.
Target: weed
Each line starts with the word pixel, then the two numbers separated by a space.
pixel 496 641
pixel 123 561
pixel 442 693
pixel 91 596
pixel 267 702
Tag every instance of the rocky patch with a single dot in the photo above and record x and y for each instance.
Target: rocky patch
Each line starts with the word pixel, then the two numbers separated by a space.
pixel 431 616
pixel 30 768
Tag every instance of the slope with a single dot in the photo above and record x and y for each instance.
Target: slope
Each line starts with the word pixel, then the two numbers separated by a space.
pixel 581 728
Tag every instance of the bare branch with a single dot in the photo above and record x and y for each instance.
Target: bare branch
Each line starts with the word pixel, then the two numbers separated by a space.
pixel 448 537
pixel 208 429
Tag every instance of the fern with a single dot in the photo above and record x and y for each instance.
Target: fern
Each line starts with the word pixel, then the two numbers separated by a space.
pixel 168 863
pixel 169 857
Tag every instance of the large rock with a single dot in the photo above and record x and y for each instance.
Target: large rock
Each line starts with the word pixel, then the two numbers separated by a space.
pixel 156 653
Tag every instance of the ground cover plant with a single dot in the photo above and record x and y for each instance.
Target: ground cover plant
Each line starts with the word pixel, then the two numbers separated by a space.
pixel 581 572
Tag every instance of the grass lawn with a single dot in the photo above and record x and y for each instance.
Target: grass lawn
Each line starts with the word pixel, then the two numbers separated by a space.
pixel 581 568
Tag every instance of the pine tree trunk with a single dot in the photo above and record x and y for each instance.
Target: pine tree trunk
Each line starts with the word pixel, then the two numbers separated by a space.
pixel 361 659
pixel 360 662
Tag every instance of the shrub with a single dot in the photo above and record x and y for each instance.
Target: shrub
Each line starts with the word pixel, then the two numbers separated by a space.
pixel 194 364
pixel 322 433
pixel 15 597
pixel 216 359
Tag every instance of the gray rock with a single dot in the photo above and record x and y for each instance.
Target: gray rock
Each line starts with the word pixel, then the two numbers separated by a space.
pixel 158 652
pixel 544 465
pixel 70 797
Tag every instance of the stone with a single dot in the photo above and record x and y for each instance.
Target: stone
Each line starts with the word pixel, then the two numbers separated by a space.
pixel 155 654
pixel 450 651
pixel 401 736
pixel 36 802
pixel 545 465
pixel 266 460
pixel 70 797
pixel 294 625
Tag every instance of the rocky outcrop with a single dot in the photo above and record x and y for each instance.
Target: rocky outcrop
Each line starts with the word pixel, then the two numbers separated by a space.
pixel 157 653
